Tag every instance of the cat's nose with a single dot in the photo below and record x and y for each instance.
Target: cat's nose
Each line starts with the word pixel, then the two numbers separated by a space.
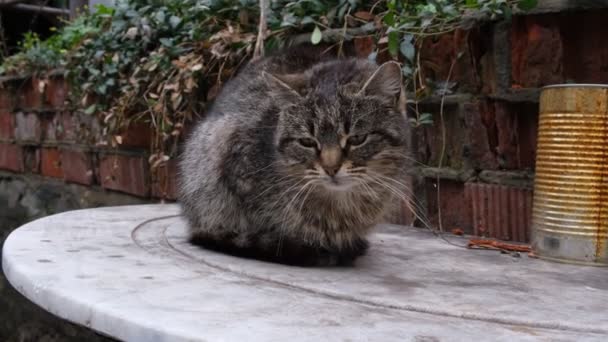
pixel 331 170
pixel 331 159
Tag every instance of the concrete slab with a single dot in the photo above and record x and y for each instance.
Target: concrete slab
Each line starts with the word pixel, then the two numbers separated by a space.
pixel 128 272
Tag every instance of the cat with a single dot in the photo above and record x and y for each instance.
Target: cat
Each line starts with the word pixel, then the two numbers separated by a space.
pixel 297 159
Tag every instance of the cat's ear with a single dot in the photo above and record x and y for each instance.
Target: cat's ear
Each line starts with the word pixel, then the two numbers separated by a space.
pixel 293 83
pixel 385 81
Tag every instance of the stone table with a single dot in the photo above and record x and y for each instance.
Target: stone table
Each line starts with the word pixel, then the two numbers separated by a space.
pixel 128 272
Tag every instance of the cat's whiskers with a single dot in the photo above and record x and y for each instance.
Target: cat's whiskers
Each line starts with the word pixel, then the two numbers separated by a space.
pixel 284 180
pixel 286 211
pixel 407 197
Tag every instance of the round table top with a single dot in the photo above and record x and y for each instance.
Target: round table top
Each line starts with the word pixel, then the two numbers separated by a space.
pixel 129 272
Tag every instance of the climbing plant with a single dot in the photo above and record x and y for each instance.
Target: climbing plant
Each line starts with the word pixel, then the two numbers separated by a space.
pixel 161 61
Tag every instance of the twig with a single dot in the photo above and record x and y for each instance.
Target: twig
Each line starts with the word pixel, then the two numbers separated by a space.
pixel 336 35
pixel 258 51
pixel 443 142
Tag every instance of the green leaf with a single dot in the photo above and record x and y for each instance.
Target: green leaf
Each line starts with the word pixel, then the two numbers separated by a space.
pixel 527 5
pixel 307 20
pixel 90 110
pixel 102 89
pixel 407 48
pixel 168 42
pixel 508 13
pixel 389 19
pixel 393 43
pixel 472 3
pixel 316 36
pixel 160 16
pixel 174 21
pixel 426 117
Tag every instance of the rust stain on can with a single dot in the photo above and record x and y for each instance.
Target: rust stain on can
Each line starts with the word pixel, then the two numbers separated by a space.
pixel 570 211
pixel 500 211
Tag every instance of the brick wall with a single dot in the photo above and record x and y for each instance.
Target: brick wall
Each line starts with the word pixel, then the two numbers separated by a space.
pixel 490 118
pixel 40 135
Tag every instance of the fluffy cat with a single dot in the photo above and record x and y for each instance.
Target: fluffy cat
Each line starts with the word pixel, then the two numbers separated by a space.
pixel 297 160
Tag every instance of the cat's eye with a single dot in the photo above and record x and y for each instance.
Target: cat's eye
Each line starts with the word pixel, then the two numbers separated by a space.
pixel 356 140
pixel 307 142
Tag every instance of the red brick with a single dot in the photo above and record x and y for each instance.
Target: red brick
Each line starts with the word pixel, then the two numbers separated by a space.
pixel 537 51
pixel 87 129
pixel 11 157
pixel 7 125
pixel 506 150
pixel 27 127
pixel 56 92
pixel 516 131
pixel 440 52
pixel 481 142
pixel 430 142
pixel 50 163
pixel 29 92
pixel 7 99
pixel 67 127
pixel 527 131
pixel 364 46
pixel 31 159
pixel 455 207
pixel 585 49
pixel 50 127
pixel 138 134
pixel 164 181
pixel 124 173
pixel 77 166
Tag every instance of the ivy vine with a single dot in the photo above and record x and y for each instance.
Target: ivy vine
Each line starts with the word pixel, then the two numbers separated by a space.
pixel 161 61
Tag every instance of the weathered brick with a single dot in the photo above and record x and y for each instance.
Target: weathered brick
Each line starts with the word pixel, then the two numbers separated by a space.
pixel 527 132
pixel 31 159
pixel 506 148
pixel 429 140
pixel 31 94
pixel 364 46
pixel 537 51
pixel 516 129
pixel 50 163
pixel 7 98
pixel 56 92
pixel 50 123
pixel 481 136
pixel 585 50
pixel 124 173
pixel 67 127
pixel 77 166
pixel 138 134
pixel 88 129
pixel 7 125
pixel 164 181
pixel 11 157
pixel 27 127
pixel 459 48
pixel 455 206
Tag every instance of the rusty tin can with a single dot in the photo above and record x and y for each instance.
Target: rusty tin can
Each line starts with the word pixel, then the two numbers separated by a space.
pixel 570 209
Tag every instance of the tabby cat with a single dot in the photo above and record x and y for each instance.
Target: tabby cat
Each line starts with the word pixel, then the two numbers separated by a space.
pixel 297 160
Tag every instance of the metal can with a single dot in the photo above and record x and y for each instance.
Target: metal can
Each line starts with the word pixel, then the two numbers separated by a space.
pixel 570 209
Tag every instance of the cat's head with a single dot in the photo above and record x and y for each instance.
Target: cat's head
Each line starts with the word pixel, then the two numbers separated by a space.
pixel 339 126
